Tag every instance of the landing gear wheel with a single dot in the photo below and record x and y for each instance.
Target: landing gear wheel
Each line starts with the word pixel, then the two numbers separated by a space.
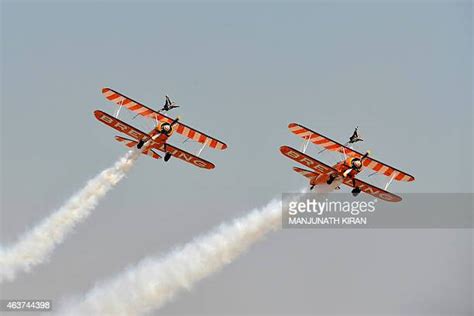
pixel 355 191
pixel 167 156
pixel 140 144
pixel 331 179
pixel 312 187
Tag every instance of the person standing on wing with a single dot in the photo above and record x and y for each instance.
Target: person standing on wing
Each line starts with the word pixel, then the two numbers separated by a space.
pixel 169 105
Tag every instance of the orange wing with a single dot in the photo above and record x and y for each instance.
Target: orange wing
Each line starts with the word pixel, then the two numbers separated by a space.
pixel 326 170
pixel 185 156
pixel 120 126
pixel 308 161
pixel 373 190
pixel 332 145
pixel 145 111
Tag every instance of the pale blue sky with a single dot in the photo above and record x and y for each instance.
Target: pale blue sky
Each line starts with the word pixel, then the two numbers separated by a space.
pixel 402 71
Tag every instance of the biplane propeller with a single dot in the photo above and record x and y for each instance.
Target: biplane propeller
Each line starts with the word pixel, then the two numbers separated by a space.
pixel 344 171
pixel 157 138
pixel 164 128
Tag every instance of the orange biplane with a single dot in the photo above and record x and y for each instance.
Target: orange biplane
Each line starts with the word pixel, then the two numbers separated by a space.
pixel 344 171
pixel 157 138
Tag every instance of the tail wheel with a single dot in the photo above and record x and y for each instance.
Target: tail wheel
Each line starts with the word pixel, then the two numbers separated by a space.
pixel 167 156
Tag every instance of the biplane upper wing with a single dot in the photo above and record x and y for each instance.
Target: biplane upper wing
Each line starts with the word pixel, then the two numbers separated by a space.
pixel 332 145
pixel 145 111
pixel 322 168
pixel 120 126
pixel 185 156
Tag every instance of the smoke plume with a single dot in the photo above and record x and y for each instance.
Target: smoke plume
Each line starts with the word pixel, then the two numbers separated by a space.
pixel 36 245
pixel 154 281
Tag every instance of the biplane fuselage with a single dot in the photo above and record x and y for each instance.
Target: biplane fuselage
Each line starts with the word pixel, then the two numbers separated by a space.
pixel 340 167
pixel 158 136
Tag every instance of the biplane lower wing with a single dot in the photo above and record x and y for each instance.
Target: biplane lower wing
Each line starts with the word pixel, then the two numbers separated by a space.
pixel 183 155
pixel 131 144
pixel 332 145
pixel 308 161
pixel 373 190
pixel 143 110
pixel 139 135
pixel 324 169
pixel 120 126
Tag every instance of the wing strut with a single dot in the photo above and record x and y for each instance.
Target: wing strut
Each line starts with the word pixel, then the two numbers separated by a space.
pixel 202 148
pixel 388 183
pixel 344 157
pixel 305 144
pixel 118 111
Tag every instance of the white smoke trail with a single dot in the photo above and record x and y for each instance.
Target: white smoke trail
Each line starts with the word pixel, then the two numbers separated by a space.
pixel 154 281
pixel 36 245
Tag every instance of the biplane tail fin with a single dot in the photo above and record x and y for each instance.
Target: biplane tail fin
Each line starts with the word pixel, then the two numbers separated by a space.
pixel 306 173
pixel 131 144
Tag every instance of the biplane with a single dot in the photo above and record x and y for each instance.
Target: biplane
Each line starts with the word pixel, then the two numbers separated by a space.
pixel 344 171
pixel 157 138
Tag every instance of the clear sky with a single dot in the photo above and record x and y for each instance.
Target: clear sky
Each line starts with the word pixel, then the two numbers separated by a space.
pixel 401 71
